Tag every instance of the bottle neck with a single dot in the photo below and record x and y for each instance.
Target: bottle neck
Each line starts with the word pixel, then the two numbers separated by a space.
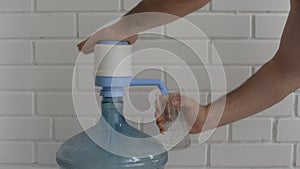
pixel 112 111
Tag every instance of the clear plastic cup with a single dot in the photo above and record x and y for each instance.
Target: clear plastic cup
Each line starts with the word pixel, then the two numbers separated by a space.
pixel 176 136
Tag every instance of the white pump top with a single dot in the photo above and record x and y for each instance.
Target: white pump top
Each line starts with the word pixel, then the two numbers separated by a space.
pixel 113 60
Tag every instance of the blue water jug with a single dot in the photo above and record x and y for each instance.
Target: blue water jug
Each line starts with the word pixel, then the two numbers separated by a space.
pixel 98 147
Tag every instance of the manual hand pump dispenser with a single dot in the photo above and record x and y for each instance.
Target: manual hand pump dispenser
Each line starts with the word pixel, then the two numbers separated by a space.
pixel 112 143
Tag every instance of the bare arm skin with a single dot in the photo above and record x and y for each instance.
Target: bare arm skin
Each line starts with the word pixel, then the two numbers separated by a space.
pixel 274 81
pixel 127 28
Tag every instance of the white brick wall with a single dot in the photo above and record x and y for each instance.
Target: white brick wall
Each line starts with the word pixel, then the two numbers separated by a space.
pixel 25 128
pixel 15 5
pixel 267 26
pixel 76 5
pixel 243 130
pixel 9 100
pixel 16 53
pixel 46 152
pixel 254 5
pixel 288 130
pixel 221 26
pixel 37 25
pixel 251 155
pixel 38 50
pixel 245 52
pixel 16 152
pixel 55 52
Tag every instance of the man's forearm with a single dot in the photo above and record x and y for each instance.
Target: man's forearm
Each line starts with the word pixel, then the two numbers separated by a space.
pixel 268 86
pixel 178 8
pixel 152 13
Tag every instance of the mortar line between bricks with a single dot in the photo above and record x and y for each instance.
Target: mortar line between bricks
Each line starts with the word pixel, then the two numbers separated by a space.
pixel 33 49
pixel 208 155
pixel 25 165
pixel 230 132
pixel 205 12
pixel 275 130
pixel 5 39
pixel 252 28
pixel 210 51
pixel 34 6
pixel 210 7
pixel 296 104
pixel 77 25
pixel 272 130
pixel 34 104
pixel 122 6
pixel 252 70
pixel 73 11
pixel 248 12
pixel 294 155
pixel 52 129
pixel 35 153
pixel 46 38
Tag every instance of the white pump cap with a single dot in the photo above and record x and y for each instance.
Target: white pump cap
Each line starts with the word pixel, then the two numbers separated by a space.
pixel 113 60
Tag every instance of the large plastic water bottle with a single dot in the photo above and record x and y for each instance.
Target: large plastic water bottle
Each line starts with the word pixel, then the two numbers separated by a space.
pixel 103 146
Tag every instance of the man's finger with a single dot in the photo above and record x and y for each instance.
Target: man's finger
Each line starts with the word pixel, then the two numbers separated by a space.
pixel 81 44
pixel 157 114
pixel 161 126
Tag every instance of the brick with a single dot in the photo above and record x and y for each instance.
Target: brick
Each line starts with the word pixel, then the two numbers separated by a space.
pixel 189 79
pixel 16 152
pixel 13 103
pixel 195 153
pixel 37 25
pixel 148 125
pixel 252 130
pixel 219 135
pixel 76 5
pixel 56 52
pixel 35 78
pixel 63 104
pixel 254 5
pixel 139 105
pixel 170 52
pixel 128 5
pixel 90 23
pixel 269 26
pixel 287 130
pixel 251 155
pixel 283 108
pixel 68 127
pixel 15 53
pixel 25 128
pixel 47 152
pixel 244 52
pixel 15 5
pixel 55 103
pixel 85 77
pixel 219 26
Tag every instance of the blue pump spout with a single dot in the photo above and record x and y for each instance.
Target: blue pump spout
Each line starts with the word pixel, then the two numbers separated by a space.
pixel 150 82
pixel 114 86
